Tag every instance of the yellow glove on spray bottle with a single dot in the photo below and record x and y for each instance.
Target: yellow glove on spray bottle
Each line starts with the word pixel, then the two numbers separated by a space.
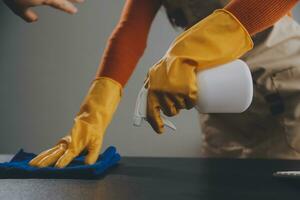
pixel 89 126
pixel 226 88
pixel 217 39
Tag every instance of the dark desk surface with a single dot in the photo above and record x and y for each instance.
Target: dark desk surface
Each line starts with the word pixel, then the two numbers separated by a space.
pixel 168 178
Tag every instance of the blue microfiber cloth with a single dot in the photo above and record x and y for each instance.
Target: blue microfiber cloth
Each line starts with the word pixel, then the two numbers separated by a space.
pixel 18 167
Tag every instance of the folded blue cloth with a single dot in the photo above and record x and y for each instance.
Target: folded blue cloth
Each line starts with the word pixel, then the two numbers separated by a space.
pixel 18 167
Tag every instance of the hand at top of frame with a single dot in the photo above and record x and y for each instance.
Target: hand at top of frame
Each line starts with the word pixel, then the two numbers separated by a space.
pixel 23 9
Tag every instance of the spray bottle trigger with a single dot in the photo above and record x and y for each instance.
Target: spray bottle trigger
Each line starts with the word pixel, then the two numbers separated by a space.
pixel 168 123
pixel 141 111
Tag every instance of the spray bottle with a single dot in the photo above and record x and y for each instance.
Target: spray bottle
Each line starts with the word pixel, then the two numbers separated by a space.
pixel 226 88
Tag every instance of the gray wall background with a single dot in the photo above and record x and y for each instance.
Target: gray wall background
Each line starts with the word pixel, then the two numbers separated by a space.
pixel 46 69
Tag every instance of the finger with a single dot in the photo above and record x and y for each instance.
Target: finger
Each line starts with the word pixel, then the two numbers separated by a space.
pixel 66 158
pixel 167 105
pixel 190 102
pixel 93 153
pixel 153 113
pixel 178 102
pixel 76 1
pixel 24 4
pixel 52 158
pixel 28 15
pixel 62 5
pixel 42 155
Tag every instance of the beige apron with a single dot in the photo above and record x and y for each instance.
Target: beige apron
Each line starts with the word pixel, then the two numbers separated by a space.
pixel 270 128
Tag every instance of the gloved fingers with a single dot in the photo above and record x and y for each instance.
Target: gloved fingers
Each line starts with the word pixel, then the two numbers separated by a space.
pixel 52 158
pixel 167 105
pixel 190 102
pixel 34 162
pixel 66 158
pixel 63 5
pixel 93 152
pixel 178 101
pixel 153 114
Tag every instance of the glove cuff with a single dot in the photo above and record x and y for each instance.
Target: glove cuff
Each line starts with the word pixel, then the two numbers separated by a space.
pixel 111 81
pixel 101 102
pixel 239 23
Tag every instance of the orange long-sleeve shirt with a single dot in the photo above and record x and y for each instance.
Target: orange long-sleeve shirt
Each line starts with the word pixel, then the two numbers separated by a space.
pixel 257 15
pixel 128 41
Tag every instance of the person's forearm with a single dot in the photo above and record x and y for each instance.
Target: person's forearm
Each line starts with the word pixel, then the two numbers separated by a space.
pixel 258 15
pixel 128 41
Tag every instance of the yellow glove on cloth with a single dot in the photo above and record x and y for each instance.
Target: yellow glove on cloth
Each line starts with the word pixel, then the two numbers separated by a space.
pixel 89 126
pixel 217 39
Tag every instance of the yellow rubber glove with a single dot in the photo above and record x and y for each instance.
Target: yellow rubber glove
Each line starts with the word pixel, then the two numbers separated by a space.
pixel 89 126
pixel 217 39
